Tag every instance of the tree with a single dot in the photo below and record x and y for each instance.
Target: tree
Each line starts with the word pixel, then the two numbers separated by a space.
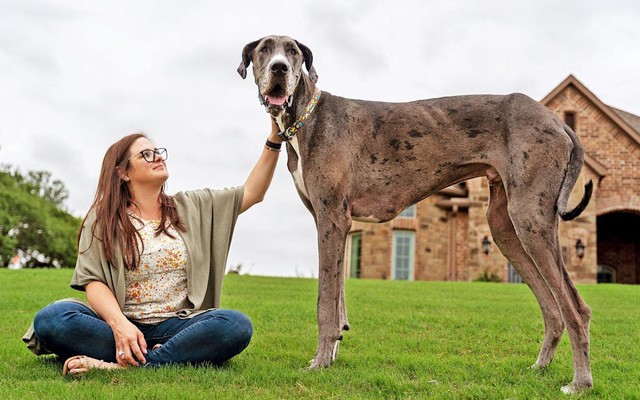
pixel 33 219
pixel 40 183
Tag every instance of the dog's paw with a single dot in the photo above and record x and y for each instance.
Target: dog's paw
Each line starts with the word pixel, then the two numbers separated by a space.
pixel 322 359
pixel 538 367
pixel 568 389
pixel 315 365
pixel 575 389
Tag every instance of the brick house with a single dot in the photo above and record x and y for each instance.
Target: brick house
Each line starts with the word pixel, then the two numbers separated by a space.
pixel 446 236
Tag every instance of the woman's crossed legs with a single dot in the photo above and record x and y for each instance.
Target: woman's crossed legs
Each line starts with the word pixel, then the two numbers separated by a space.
pixel 69 329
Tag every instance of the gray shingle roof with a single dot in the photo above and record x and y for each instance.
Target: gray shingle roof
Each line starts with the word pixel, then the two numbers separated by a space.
pixel 629 118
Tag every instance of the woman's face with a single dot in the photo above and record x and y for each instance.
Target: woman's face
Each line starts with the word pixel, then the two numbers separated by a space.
pixel 143 172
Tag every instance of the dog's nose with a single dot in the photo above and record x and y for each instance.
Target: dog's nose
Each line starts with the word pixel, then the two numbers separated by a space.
pixel 279 68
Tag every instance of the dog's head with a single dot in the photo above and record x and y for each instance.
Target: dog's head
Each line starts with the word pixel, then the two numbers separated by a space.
pixel 277 69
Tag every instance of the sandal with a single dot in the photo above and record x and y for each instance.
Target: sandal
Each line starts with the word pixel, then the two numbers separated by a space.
pixel 86 364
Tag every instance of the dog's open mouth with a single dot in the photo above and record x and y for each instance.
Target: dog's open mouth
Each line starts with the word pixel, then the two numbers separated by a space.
pixel 276 98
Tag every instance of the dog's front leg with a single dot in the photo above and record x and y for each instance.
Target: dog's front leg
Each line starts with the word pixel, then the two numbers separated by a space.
pixel 332 233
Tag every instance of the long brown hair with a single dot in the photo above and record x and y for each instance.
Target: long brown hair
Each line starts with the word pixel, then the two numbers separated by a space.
pixel 113 226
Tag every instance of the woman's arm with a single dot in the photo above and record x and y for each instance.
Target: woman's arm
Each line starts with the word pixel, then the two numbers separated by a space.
pixel 127 336
pixel 260 177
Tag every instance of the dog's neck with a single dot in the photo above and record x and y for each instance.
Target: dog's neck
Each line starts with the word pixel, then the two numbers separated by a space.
pixel 303 94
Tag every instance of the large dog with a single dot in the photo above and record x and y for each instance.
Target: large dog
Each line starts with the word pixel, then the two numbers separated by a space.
pixel 367 161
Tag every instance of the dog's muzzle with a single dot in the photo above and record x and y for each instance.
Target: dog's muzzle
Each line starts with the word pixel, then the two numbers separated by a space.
pixel 267 101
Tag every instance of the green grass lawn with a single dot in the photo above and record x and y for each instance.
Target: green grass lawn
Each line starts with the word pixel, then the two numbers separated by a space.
pixel 407 340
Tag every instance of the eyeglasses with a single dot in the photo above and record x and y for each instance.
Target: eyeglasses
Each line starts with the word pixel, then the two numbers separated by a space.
pixel 149 155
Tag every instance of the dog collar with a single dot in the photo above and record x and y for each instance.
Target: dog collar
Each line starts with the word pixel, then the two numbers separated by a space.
pixel 292 131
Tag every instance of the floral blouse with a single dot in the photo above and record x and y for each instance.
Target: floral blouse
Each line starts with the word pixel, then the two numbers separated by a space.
pixel 157 289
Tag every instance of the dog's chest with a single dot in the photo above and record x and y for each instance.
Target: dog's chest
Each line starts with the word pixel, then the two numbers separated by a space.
pixel 298 178
pixel 297 172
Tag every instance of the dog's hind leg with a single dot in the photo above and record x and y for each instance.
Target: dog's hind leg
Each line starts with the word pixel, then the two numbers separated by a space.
pixel 537 228
pixel 504 235
pixel 332 234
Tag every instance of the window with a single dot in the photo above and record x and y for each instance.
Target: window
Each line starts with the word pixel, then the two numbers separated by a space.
pixel 606 274
pixel 409 212
pixel 570 119
pixel 513 276
pixel 356 255
pixel 403 251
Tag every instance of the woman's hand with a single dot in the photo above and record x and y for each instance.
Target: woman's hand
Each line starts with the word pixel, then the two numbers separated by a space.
pixel 130 344
pixel 273 136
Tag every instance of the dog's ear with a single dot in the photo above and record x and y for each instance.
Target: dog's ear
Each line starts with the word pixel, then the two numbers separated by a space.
pixel 246 58
pixel 308 61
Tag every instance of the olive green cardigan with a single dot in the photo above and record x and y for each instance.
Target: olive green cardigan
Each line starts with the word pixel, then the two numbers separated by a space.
pixel 210 217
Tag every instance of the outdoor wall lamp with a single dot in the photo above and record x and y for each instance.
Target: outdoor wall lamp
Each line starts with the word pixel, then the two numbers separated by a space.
pixel 486 245
pixel 580 249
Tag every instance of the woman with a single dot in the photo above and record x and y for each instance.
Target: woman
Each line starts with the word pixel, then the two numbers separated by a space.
pixel 152 268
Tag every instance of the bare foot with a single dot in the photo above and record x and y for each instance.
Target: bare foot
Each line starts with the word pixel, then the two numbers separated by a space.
pixel 78 365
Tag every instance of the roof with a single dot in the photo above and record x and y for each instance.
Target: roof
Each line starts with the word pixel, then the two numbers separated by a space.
pixel 628 123
pixel 629 118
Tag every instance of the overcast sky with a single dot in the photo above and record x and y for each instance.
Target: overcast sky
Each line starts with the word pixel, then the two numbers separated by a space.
pixel 76 76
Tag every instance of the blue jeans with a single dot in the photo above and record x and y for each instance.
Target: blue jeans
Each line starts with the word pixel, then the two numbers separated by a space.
pixel 68 329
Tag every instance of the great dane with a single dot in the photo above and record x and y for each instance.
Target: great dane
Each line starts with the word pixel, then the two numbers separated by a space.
pixel 368 160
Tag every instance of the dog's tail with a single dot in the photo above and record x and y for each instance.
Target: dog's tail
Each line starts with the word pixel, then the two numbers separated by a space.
pixel 573 171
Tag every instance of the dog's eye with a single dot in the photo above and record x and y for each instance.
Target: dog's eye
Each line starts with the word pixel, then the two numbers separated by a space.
pixel 264 49
pixel 293 52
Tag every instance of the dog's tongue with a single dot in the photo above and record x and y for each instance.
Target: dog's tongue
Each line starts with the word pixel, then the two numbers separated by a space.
pixel 276 101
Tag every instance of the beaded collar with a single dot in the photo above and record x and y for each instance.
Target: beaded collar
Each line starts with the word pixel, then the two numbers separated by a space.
pixel 292 131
